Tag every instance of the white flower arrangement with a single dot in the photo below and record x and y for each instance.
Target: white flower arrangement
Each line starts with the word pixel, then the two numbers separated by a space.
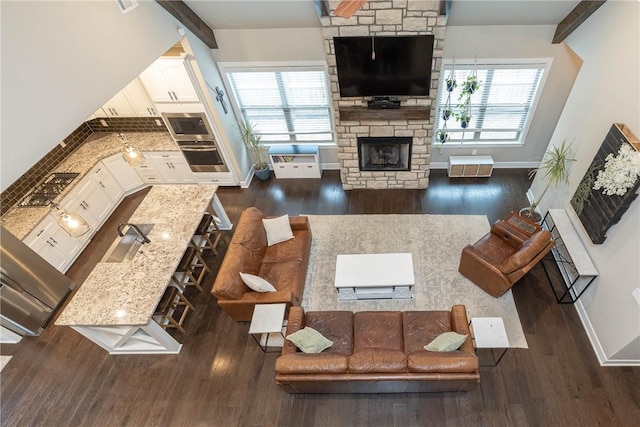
pixel 620 172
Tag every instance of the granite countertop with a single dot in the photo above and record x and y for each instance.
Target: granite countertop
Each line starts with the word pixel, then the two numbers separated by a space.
pixel 20 221
pixel 127 293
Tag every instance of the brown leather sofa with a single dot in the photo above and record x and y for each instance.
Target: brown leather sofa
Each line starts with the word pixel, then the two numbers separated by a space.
pixel 284 265
pixel 503 256
pixel 378 352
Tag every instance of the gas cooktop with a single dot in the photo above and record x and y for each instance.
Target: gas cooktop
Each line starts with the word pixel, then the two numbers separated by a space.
pixel 47 191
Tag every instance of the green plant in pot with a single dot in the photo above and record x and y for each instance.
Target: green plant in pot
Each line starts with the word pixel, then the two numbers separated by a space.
pixel 254 143
pixel 555 172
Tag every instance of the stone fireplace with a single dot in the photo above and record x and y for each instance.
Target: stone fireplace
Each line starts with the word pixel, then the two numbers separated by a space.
pixel 384 154
pixel 414 120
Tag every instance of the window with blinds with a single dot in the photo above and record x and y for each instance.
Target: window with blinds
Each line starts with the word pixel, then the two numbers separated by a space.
pixel 501 109
pixel 285 106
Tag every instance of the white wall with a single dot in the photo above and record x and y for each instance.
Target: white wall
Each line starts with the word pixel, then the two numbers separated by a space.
pixel 61 61
pixel 607 90
pixel 510 41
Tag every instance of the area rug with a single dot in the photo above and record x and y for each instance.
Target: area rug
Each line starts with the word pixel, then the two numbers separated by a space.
pixel 435 241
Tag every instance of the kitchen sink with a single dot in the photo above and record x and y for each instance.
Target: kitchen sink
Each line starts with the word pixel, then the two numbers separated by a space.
pixel 125 248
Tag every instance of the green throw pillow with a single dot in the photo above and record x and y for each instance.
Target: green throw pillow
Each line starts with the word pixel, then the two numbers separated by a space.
pixel 308 340
pixel 446 341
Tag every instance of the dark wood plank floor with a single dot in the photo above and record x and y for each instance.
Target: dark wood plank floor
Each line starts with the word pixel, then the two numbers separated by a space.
pixel 221 377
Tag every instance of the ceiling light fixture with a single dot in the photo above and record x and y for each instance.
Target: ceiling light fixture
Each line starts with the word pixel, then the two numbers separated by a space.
pixel 131 153
pixel 72 223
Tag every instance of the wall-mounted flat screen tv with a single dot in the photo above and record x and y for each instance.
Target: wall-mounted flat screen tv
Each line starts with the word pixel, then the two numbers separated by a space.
pixel 384 66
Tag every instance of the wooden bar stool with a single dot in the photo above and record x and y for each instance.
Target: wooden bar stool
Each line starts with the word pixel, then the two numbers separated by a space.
pixel 207 235
pixel 191 270
pixel 167 313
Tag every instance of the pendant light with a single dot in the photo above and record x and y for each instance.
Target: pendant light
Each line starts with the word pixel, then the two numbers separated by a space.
pixel 72 223
pixel 131 153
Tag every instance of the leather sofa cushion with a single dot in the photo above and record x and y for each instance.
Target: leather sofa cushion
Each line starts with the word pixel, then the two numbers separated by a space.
pixel 282 275
pixel 250 231
pixel 307 363
pixel 290 250
pixel 526 253
pixel 493 250
pixel 377 360
pixel 422 327
pixel 336 326
pixel 377 329
pixel 451 361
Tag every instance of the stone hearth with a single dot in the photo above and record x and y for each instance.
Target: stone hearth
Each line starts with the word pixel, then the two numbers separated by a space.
pixel 385 18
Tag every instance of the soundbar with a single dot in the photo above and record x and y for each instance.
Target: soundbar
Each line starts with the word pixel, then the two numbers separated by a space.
pixel 383 102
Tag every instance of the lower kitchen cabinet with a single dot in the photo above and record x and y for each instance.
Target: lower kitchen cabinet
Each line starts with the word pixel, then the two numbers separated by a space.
pixel 92 200
pixel 123 173
pixel 105 180
pixel 171 166
pixel 53 244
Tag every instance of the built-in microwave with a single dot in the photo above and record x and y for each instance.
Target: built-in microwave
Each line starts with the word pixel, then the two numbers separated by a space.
pixel 188 126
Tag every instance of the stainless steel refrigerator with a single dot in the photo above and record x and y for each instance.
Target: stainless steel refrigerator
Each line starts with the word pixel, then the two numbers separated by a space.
pixel 30 288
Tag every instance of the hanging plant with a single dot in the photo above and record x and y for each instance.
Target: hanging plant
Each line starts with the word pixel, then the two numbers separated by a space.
pixel 464 119
pixel 447 113
pixel 469 87
pixel 443 136
pixel 451 84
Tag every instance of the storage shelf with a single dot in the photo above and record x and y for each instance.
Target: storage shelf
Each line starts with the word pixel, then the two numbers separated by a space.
pixel 470 166
pixel 403 113
pixel 295 161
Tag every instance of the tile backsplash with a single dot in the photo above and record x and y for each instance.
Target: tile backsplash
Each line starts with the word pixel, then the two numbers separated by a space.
pixel 16 191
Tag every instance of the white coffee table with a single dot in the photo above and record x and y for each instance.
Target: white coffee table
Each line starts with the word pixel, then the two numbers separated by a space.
pixel 267 325
pixel 489 332
pixel 374 276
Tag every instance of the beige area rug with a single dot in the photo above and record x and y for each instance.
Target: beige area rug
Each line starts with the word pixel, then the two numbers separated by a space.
pixel 435 241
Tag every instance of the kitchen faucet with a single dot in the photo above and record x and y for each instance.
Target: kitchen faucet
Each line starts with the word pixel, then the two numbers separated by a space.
pixel 139 232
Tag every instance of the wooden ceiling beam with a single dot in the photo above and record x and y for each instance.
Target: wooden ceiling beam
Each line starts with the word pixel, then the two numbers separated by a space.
pixel 577 16
pixel 189 19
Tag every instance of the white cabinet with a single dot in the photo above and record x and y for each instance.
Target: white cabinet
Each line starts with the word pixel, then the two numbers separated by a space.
pixel 167 80
pixel 126 175
pixel 171 166
pixel 470 166
pixel 221 178
pixel 53 244
pixel 91 201
pixel 295 161
pixel 132 101
pixel 101 175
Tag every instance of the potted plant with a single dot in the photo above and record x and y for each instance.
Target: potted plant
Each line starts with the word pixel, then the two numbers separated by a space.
pixel 447 113
pixel 254 143
pixel 555 169
pixel 464 119
pixel 443 136
pixel 451 84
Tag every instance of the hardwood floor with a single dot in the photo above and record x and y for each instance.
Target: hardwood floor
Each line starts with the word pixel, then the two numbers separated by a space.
pixel 222 378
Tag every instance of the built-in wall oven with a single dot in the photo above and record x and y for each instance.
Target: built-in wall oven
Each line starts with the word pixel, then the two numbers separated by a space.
pixel 194 137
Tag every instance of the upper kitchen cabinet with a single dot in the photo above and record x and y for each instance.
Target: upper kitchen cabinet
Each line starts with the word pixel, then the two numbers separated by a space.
pixel 132 101
pixel 167 80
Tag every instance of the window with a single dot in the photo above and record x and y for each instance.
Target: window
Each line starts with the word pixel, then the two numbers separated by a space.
pixel 501 109
pixel 288 105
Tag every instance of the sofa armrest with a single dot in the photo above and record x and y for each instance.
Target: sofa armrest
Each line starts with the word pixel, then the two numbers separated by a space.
pixel 295 322
pixel 460 324
pixel 299 222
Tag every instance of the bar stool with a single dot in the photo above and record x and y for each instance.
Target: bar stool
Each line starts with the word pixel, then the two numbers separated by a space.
pixel 167 314
pixel 191 270
pixel 207 235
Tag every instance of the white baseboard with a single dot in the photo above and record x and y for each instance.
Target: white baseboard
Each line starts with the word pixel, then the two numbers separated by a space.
pixel 330 166
pixel 595 342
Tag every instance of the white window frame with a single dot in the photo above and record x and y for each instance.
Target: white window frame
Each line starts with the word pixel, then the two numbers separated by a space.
pixel 544 63
pixel 229 67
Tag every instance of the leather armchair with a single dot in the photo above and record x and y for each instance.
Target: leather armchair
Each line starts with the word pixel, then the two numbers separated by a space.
pixel 503 256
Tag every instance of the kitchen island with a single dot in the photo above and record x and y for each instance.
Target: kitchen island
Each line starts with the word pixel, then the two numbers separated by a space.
pixel 114 305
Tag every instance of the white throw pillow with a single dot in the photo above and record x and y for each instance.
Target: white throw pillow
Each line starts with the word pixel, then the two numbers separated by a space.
pixel 446 341
pixel 257 283
pixel 278 229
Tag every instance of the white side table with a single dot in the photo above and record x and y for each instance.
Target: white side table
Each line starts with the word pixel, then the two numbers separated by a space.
pixel 266 325
pixel 489 332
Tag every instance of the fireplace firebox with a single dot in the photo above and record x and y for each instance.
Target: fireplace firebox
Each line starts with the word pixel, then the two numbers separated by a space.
pixel 384 153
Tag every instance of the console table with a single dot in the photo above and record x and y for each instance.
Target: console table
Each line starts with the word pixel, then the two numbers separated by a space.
pixel 574 263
